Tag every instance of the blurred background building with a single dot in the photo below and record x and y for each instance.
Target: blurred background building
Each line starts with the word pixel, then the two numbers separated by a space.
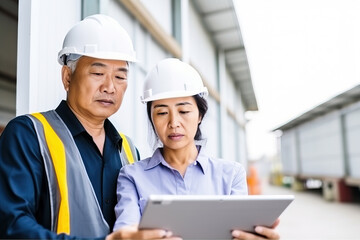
pixel 204 33
pixel 319 149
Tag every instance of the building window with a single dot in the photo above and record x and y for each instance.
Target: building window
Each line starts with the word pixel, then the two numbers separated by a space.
pixel 176 20
pixel 89 7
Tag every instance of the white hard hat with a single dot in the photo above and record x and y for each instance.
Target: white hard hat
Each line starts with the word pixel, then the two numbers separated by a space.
pixel 98 36
pixel 172 78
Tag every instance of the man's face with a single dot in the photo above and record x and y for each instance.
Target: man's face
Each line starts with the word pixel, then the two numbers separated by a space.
pixel 96 89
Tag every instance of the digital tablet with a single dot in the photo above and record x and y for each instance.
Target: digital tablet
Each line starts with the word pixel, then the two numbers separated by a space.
pixel 211 217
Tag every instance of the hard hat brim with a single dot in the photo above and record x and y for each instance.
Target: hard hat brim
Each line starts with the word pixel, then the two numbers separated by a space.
pixel 174 94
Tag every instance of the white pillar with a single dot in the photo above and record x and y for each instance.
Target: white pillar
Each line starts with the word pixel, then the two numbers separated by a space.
pixel 42 27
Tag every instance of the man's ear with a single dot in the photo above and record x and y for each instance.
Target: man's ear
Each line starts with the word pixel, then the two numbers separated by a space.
pixel 66 77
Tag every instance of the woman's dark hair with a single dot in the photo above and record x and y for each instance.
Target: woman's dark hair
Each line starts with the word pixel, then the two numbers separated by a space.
pixel 202 106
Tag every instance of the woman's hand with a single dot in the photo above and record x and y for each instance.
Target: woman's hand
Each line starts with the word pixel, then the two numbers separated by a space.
pixel 262 233
pixel 132 232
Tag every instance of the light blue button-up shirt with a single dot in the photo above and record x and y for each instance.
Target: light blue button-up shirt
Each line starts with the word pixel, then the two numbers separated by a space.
pixel 206 176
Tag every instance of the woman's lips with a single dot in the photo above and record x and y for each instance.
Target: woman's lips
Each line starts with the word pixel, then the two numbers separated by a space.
pixel 175 136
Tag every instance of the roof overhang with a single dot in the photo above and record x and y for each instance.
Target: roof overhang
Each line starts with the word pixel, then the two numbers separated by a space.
pixel 340 101
pixel 222 23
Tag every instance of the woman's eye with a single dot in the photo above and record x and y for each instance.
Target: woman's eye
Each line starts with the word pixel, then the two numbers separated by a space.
pixel 161 113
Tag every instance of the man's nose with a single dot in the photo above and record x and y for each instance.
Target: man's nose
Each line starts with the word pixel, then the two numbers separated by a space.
pixel 108 85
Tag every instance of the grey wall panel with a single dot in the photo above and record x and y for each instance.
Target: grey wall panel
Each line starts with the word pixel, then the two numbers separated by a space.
pixel 288 153
pixel 352 133
pixel 320 145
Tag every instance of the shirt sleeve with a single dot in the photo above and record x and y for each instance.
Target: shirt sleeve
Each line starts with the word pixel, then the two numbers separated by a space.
pixel 22 183
pixel 239 184
pixel 127 209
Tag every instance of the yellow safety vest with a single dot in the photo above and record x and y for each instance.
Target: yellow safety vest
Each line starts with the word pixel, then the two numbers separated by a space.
pixel 74 206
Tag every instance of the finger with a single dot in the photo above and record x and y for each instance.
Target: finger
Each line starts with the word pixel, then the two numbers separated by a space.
pixel 132 232
pixel 153 234
pixel 156 234
pixel 276 223
pixel 267 232
pixel 241 235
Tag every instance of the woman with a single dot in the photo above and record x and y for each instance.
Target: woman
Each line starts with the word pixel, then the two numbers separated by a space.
pixel 176 105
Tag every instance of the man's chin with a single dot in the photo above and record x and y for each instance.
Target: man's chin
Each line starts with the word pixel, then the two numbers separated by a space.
pixel 105 113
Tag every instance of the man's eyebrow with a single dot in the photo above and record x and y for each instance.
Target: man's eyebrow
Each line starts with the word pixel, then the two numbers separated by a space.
pixel 123 69
pixel 99 64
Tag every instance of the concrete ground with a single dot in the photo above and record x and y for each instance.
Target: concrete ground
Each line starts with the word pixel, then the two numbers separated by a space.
pixel 309 216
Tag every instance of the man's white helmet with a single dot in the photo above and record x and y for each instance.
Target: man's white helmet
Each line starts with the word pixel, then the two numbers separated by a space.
pixel 172 78
pixel 98 36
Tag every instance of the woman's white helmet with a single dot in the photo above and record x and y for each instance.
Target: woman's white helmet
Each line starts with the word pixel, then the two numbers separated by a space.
pixel 172 78
pixel 97 36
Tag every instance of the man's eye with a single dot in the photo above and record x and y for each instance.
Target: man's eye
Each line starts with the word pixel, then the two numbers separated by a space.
pixel 97 74
pixel 184 112
pixel 120 77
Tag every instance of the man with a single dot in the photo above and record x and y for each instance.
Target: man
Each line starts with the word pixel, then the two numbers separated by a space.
pixel 58 169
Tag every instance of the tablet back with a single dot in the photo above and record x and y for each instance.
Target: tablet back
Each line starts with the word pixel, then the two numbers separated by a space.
pixel 211 217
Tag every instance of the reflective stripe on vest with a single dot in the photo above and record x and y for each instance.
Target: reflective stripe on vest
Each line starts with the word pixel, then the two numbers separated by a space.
pixel 127 149
pixel 59 162
pixel 68 180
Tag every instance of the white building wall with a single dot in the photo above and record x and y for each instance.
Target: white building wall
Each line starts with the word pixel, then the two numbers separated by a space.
pixel 210 128
pixel 230 140
pixel 201 49
pixel 242 147
pixel 231 92
pixel 161 11
pixel 321 151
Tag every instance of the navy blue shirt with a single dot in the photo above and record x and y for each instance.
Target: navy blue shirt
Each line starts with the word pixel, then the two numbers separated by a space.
pixel 24 197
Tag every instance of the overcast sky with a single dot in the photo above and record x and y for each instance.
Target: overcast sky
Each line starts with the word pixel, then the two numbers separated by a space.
pixel 301 53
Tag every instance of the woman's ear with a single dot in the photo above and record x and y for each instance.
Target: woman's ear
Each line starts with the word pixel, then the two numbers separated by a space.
pixel 200 119
pixel 66 77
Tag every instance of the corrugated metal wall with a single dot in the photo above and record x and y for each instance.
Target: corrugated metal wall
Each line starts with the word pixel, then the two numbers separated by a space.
pixel 327 146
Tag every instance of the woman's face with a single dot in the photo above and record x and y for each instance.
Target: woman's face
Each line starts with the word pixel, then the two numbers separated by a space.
pixel 175 121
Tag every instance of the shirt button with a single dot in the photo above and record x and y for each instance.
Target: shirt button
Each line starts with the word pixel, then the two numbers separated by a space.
pixel 107 201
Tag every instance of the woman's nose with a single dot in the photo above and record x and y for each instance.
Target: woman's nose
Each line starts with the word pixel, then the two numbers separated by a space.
pixel 174 121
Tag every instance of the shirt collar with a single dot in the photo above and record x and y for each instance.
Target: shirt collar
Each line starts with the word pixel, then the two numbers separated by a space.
pixel 202 160
pixel 76 128
pixel 157 158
